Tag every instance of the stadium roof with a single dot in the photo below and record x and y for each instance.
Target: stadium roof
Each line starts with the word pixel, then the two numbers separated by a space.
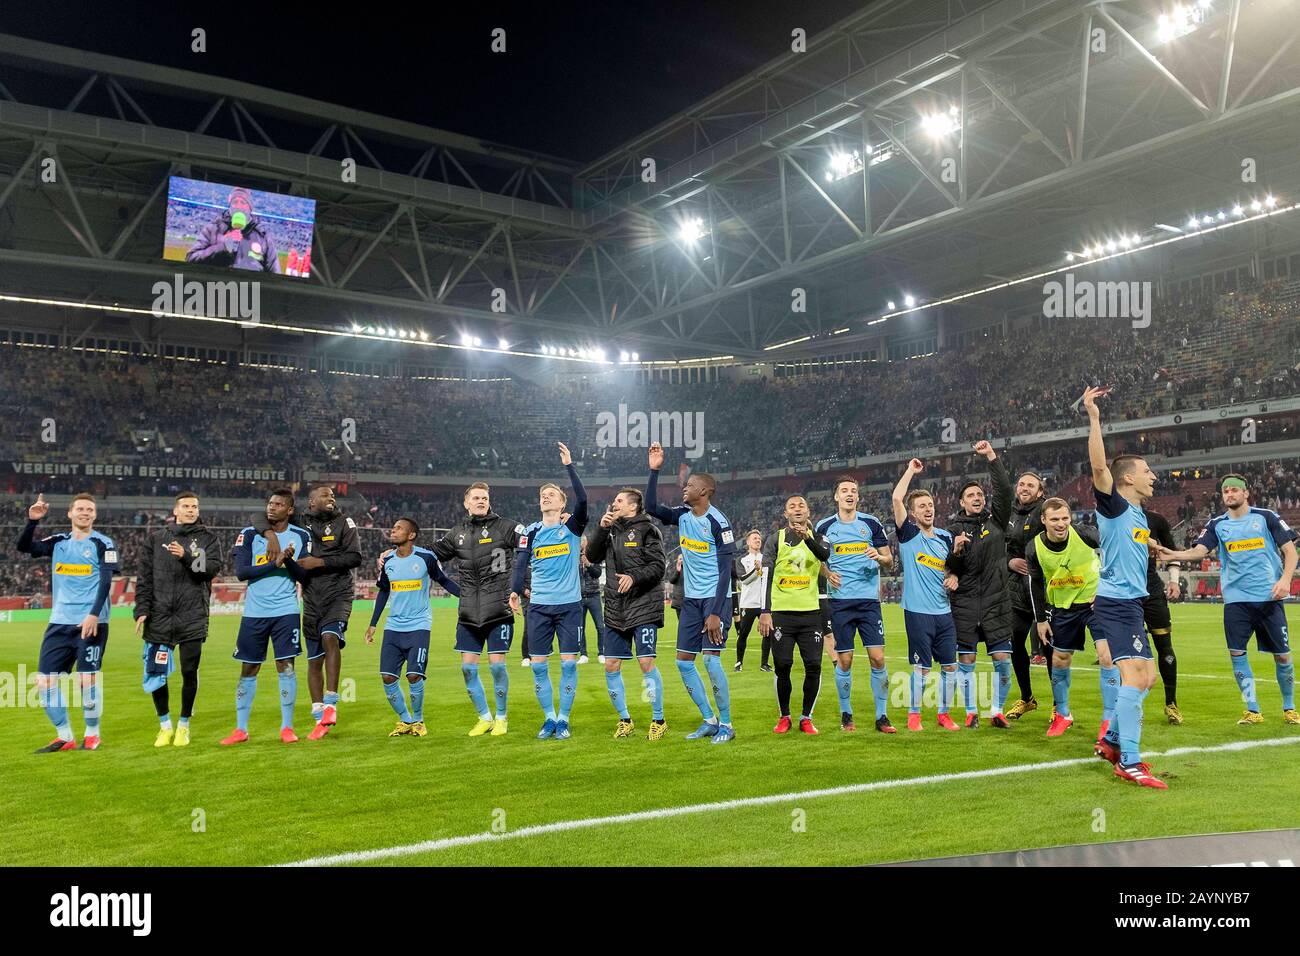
pixel 988 144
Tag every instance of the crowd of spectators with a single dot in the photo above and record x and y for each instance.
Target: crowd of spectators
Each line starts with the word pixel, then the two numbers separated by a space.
pixel 160 412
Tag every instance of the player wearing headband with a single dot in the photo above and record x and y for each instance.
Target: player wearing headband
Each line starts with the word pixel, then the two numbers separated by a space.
pixel 1257 555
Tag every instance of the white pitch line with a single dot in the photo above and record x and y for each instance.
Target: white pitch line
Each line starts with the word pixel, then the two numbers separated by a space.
pixel 446 843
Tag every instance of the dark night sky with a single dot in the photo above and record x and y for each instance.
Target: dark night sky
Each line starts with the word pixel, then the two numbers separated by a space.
pixel 578 77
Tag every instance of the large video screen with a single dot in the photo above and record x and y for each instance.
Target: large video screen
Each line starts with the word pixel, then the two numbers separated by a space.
pixel 234 227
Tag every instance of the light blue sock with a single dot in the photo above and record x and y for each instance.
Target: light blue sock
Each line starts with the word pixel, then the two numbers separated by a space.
pixel 1061 690
pixel 92 706
pixel 947 690
pixel 417 700
pixel 695 688
pixel 288 697
pixel 1128 710
pixel 183 722
pixel 56 709
pixel 331 698
pixel 721 689
pixel 1001 683
pixel 966 677
pixel 617 692
pixel 568 687
pixel 542 688
pixel 1109 693
pixel 1286 682
pixel 1241 670
pixel 396 701
pixel 500 687
pixel 317 710
pixel 880 690
pixel 244 694
pixel 844 686
pixel 653 682
pixel 165 721
pixel 917 690
pixel 475 687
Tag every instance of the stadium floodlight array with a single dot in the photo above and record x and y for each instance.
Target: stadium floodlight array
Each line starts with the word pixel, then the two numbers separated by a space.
pixel 939 125
pixel 586 353
pixel 844 164
pixel 1195 222
pixel 1134 242
pixel 1197 225
pixel 1182 20
pixel 692 230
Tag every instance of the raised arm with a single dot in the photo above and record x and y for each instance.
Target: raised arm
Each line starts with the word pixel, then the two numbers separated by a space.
pixel 26 543
pixel 899 497
pixel 1003 495
pixel 1101 477
pixel 652 506
pixel 577 522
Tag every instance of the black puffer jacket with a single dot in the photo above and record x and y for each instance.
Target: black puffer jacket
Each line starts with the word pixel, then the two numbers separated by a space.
pixel 484 549
pixel 1025 524
pixel 981 597
pixel 328 592
pixel 635 547
pixel 174 593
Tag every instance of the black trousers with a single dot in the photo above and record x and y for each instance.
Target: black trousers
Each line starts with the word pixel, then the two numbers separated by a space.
pixel 188 654
pixel 1022 624
pixel 744 623
pixel 802 629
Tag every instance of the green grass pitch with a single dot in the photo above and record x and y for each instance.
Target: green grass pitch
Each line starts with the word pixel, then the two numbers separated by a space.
pixel 267 802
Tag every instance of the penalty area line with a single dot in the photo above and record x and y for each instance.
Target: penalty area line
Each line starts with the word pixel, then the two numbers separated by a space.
pixel 447 843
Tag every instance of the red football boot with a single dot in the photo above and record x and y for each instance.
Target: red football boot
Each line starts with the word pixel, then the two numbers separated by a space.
pixel 319 731
pixel 1059 725
pixel 331 715
pixel 288 736
pixel 945 723
pixel 90 742
pixel 806 726
pixel 57 745
pixel 237 736
pixel 914 722
pixel 782 726
pixel 1140 773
